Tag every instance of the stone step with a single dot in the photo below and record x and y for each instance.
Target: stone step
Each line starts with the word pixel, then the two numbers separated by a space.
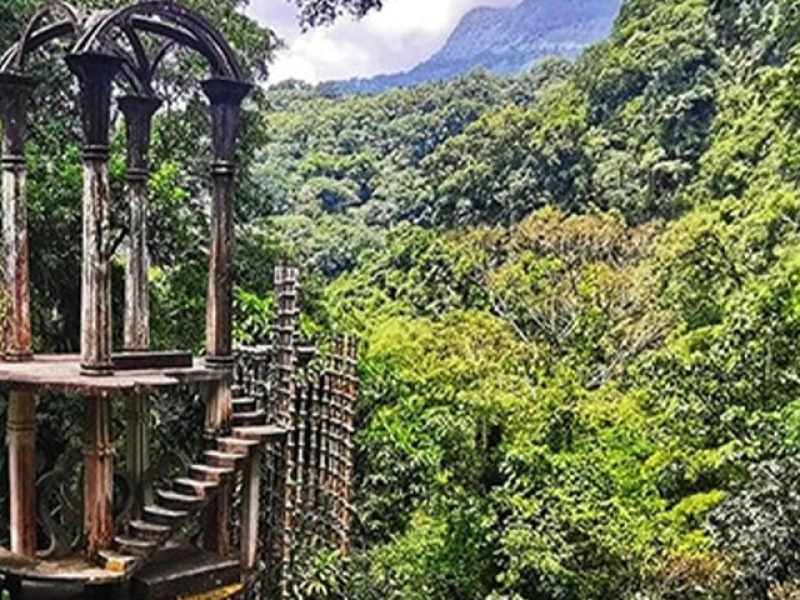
pixel 187 572
pixel 223 460
pixel 134 546
pixel 261 433
pixel 164 516
pixel 244 419
pixel 176 501
pixel 234 445
pixel 237 390
pixel 203 472
pixel 244 405
pixel 146 530
pixel 115 562
pixel 195 487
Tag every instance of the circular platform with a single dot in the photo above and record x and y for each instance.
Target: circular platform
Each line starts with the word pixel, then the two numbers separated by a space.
pixel 178 570
pixel 68 570
pixel 61 374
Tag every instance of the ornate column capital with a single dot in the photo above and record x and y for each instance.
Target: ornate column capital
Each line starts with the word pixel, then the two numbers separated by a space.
pixel 226 97
pixel 138 112
pixel 15 95
pixel 96 73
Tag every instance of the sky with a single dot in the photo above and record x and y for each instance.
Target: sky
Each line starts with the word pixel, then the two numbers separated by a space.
pixel 394 39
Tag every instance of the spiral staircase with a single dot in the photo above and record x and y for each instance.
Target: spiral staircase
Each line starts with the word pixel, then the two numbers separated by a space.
pixel 178 506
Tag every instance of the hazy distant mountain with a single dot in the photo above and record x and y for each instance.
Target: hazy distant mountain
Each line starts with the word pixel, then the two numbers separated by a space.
pixel 506 41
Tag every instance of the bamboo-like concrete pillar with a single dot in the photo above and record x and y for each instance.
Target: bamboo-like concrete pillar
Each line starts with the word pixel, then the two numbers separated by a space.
pixel 96 74
pixel 351 398
pixel 138 112
pixel 286 290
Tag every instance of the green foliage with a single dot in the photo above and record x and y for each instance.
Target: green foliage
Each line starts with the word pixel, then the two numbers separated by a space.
pixel 578 292
pixel 323 12
pixel 758 527
pixel 553 402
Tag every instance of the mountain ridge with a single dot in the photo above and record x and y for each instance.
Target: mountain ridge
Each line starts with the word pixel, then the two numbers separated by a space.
pixel 504 40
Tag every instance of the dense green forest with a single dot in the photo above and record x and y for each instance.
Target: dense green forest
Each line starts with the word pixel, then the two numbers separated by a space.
pixel 578 293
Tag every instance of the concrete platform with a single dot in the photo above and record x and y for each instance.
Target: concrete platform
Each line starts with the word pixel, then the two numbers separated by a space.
pixel 177 572
pixel 61 374
pixel 187 572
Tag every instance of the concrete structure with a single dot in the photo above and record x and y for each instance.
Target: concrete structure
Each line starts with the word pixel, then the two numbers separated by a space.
pixel 296 432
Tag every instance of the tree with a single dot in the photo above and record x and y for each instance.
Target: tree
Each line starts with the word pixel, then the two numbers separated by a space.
pixel 321 12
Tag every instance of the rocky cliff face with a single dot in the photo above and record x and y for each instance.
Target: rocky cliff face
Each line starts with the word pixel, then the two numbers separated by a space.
pixel 506 41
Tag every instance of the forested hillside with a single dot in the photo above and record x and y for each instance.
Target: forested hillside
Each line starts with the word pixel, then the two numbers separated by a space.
pixel 578 293
pixel 505 40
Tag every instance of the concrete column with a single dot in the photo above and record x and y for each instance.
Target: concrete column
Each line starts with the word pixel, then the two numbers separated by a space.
pixel 15 93
pixel 98 478
pixel 250 510
pixel 219 409
pixel 137 451
pixel 226 97
pixel 21 440
pixel 96 74
pixel 138 112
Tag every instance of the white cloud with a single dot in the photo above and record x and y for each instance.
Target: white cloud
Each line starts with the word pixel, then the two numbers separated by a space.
pixel 404 33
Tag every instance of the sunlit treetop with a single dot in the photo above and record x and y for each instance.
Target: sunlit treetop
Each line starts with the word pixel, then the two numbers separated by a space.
pixel 323 12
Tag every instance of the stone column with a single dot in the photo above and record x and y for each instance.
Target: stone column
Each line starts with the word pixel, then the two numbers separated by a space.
pixel 21 439
pixel 96 73
pixel 15 92
pixel 216 536
pixel 251 509
pixel 226 97
pixel 98 478
pixel 138 112
pixel 137 451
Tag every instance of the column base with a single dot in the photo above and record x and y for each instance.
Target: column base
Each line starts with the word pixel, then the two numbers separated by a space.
pixel 18 356
pixel 102 370
pixel 219 363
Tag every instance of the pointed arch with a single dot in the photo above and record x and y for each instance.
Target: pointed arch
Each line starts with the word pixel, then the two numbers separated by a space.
pixel 38 33
pixel 172 22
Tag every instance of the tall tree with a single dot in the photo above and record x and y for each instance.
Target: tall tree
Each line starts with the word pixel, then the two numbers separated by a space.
pixel 322 12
